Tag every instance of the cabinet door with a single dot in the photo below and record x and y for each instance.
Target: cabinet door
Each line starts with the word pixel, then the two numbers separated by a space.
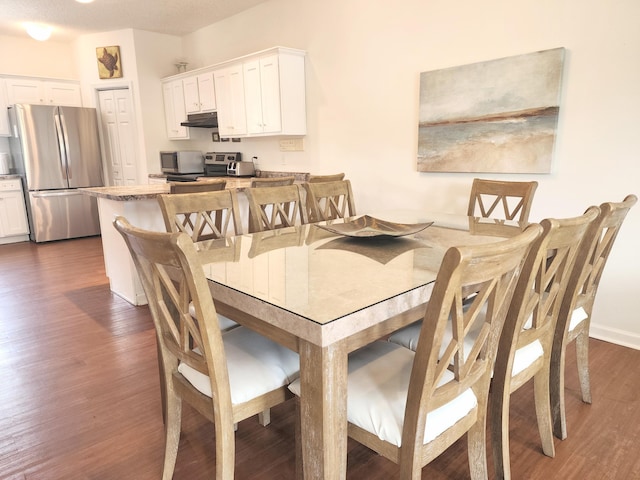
pixel 253 97
pixel 13 216
pixel 206 92
pixel 62 93
pixel 229 85
pixel 270 94
pixel 23 90
pixel 191 95
pixel 174 111
pixel 5 130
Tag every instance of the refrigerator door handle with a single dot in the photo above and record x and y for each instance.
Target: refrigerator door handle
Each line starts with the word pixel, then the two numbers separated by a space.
pixel 55 193
pixel 63 141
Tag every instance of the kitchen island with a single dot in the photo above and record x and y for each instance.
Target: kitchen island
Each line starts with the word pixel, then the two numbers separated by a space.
pixel 139 205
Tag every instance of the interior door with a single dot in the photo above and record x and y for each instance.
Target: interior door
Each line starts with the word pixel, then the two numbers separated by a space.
pixel 119 138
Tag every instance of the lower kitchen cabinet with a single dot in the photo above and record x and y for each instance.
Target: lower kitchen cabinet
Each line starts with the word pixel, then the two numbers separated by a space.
pixel 13 215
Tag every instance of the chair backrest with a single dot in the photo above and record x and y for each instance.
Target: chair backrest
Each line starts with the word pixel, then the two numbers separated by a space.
pixel 335 177
pixel 275 207
pixel 329 200
pixel 199 186
pixel 501 199
pixel 591 259
pixel 202 216
pixel 538 296
pixel 492 271
pixel 272 181
pixel 172 276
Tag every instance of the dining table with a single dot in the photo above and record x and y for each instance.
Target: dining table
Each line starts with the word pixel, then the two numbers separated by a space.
pixel 324 290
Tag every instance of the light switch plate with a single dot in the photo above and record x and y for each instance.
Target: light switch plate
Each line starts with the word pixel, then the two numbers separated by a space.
pixel 292 145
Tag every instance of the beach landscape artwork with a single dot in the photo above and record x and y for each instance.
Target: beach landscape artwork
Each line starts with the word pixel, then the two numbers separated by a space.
pixel 498 116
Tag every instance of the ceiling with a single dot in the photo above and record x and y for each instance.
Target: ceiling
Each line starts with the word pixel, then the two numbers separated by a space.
pixel 70 19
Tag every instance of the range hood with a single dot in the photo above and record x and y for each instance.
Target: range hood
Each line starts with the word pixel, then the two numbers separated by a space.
pixel 202 120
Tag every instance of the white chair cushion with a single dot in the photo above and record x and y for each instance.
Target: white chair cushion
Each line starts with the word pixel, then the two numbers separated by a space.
pixel 577 316
pixel 408 338
pixel 225 322
pixel 378 383
pixel 256 365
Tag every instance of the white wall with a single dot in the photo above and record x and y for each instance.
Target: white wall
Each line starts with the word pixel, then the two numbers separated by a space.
pixel 363 66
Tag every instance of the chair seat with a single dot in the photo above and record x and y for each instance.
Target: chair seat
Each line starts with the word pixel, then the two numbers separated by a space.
pixel 407 337
pixel 377 386
pixel 225 322
pixel 256 365
pixel 577 316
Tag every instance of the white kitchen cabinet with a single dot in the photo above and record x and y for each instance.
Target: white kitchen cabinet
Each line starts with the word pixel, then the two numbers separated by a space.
pixel 274 93
pixel 5 130
pixel 174 110
pixel 199 93
pixel 13 215
pixel 229 85
pixel 43 92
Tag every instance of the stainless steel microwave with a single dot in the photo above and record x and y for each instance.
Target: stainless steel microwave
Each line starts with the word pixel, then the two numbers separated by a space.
pixel 182 161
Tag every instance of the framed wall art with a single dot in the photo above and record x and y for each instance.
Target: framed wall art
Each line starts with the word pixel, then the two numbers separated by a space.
pixel 498 116
pixel 109 62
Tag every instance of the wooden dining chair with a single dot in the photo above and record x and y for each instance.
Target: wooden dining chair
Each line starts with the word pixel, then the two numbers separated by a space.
pixel 334 177
pixel 501 199
pixel 202 216
pixel 210 371
pixel 211 185
pixel 272 181
pixel 329 200
pixel 524 349
pixel 577 307
pixel 275 207
pixel 411 406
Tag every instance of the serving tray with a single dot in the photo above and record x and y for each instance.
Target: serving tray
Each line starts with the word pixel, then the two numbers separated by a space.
pixel 366 226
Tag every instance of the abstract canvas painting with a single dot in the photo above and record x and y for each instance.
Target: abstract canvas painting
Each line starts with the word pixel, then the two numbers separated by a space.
pixel 498 116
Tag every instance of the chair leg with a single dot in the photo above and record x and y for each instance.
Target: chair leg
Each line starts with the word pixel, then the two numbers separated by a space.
pixel 298 441
pixel 582 354
pixel 499 402
pixel 172 426
pixel 543 411
pixel 264 417
pixel 556 391
pixel 225 451
pixel 477 446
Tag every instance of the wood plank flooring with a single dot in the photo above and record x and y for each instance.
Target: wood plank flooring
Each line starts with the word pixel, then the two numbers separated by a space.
pixel 79 394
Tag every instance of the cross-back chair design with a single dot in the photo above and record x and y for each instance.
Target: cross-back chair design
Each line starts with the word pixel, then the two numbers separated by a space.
pixel 202 216
pixel 411 406
pixel 501 199
pixel 577 307
pixel 275 207
pixel 334 177
pixel 524 349
pixel 329 200
pixel 209 370
pixel 198 186
pixel 272 181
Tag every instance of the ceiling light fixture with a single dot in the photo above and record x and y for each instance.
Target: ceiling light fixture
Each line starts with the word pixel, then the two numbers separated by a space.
pixel 38 31
pixel 84 1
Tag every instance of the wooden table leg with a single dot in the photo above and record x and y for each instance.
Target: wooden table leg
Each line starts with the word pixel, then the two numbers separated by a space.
pixel 323 410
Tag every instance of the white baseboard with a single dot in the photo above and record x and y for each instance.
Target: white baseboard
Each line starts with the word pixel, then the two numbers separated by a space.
pixel 613 335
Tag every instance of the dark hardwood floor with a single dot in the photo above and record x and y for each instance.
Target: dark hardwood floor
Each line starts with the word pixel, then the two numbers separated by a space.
pixel 79 394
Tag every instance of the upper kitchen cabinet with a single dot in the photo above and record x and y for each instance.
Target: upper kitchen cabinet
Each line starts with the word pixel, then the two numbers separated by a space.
pixel 232 120
pixel 43 92
pixel 174 109
pixel 5 131
pixel 199 93
pixel 274 90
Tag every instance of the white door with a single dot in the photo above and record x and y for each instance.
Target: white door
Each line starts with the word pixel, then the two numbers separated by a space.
pixel 118 133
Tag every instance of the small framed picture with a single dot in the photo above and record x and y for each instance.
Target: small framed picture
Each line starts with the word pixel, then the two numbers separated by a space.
pixel 109 62
pixel 215 136
pixel 224 139
pixel 235 140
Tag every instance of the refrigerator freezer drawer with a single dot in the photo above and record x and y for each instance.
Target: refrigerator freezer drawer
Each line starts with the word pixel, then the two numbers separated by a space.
pixel 60 214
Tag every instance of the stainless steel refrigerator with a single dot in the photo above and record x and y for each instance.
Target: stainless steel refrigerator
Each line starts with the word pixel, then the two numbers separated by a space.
pixel 56 150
